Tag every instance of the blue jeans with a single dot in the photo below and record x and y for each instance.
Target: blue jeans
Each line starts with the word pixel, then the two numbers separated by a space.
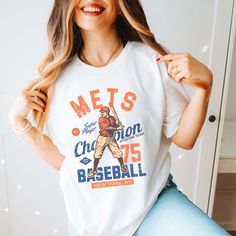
pixel 173 214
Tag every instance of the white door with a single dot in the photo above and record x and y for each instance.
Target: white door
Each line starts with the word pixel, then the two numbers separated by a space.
pixel 201 28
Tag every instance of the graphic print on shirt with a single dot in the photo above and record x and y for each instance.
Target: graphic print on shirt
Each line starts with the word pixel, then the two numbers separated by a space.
pixel 108 125
pixel 110 131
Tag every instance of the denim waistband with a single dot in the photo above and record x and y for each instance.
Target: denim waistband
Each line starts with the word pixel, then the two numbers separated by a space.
pixel 170 182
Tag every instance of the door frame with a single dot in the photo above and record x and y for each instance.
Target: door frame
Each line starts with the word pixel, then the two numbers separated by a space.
pixel 228 67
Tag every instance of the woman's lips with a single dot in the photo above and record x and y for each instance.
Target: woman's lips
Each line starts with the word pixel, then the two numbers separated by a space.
pixel 92 9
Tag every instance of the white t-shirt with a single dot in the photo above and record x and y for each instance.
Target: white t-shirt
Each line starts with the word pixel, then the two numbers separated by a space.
pixel 149 104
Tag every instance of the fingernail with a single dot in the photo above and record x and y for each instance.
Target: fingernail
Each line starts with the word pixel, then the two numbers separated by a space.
pixel 158 59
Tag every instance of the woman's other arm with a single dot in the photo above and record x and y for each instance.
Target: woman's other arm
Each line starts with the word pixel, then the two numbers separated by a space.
pixel 192 120
pixel 24 102
pixel 183 65
pixel 45 148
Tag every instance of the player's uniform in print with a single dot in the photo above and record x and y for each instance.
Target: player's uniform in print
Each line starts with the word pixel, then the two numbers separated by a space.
pixel 107 125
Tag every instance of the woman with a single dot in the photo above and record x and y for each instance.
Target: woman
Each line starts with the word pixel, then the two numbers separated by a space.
pixel 106 112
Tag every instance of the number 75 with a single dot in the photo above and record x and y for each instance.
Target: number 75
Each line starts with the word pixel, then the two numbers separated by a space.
pixel 131 148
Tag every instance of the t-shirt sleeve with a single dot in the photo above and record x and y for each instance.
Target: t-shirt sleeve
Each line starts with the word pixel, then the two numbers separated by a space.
pixel 176 97
pixel 47 130
pixel 34 123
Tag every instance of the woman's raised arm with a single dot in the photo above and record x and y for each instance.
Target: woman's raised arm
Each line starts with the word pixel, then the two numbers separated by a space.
pixel 26 100
pixel 180 66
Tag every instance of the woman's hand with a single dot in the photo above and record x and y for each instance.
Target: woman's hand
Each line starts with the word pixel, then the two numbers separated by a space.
pixel 26 100
pixel 183 65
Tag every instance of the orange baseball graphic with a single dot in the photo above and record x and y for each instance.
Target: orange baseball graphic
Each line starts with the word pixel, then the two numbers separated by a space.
pixel 108 125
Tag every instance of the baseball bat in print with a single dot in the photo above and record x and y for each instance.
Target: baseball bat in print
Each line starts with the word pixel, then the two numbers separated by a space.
pixel 116 116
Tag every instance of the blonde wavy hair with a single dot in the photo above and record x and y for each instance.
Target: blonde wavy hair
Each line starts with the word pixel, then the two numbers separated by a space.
pixel 65 41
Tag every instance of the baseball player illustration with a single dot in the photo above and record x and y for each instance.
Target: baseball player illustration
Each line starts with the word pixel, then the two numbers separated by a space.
pixel 108 125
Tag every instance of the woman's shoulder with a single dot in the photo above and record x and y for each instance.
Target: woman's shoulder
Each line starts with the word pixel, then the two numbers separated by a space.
pixel 143 48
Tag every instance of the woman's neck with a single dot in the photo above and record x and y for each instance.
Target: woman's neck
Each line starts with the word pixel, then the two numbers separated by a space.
pixel 99 45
